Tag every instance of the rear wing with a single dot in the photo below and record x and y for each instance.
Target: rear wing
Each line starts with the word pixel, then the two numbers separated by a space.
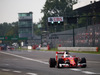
pixel 57 54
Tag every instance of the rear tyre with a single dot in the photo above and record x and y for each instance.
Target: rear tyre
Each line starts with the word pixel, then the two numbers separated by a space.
pixel 52 62
pixel 60 61
pixel 83 62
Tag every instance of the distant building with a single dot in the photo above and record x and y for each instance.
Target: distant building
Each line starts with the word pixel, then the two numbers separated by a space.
pixel 25 25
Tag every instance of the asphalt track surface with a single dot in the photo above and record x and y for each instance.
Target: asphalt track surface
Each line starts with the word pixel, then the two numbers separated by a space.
pixel 36 63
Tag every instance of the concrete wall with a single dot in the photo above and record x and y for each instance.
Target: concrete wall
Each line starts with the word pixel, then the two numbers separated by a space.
pixel 78 48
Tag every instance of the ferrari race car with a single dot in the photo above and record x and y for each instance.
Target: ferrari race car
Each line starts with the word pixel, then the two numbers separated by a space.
pixel 66 60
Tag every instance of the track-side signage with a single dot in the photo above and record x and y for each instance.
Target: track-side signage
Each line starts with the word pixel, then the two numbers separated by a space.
pixel 55 19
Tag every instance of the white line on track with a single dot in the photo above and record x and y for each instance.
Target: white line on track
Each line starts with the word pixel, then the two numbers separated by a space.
pixel 76 69
pixel 88 72
pixel 31 73
pixel 25 58
pixel 5 70
pixel 17 71
pixel 85 72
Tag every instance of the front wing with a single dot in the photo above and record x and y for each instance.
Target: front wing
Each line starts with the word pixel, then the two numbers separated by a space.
pixel 69 65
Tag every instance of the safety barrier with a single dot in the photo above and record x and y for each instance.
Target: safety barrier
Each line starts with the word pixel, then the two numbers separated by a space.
pixel 79 48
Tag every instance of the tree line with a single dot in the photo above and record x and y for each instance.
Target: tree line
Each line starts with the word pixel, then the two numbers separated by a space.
pixel 9 29
pixel 52 8
pixel 56 8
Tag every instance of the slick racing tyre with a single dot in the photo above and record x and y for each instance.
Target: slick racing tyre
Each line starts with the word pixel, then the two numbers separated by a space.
pixel 83 62
pixel 52 62
pixel 60 61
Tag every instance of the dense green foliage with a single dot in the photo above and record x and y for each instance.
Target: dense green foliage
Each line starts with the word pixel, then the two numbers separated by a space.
pixel 37 30
pixel 9 29
pixel 52 8
pixel 55 8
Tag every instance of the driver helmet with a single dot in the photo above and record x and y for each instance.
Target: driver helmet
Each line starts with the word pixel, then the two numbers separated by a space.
pixel 66 53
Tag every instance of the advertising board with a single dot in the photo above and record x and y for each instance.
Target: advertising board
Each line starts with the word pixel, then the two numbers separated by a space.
pixel 55 19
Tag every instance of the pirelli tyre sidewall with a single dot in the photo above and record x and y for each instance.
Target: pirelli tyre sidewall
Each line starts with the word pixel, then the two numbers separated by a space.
pixel 52 62
pixel 60 61
pixel 83 62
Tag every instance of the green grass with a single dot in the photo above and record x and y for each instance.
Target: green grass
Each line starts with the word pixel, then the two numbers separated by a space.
pixel 92 52
pixel 55 49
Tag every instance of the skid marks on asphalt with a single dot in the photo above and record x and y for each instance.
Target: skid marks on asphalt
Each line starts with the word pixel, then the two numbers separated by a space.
pixel 85 72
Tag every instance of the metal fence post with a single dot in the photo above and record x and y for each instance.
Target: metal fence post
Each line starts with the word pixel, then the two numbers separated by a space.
pixel 73 37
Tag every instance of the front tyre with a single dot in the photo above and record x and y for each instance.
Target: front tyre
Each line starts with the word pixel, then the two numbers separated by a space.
pixel 60 61
pixel 83 62
pixel 52 62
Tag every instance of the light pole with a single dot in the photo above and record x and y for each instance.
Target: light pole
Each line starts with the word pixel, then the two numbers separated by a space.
pixel 93 22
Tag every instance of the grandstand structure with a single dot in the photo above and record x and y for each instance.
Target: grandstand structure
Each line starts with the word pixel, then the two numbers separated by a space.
pixel 87 7
pixel 88 36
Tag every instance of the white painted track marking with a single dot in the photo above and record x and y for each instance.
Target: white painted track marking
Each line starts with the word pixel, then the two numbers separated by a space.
pixel 85 72
pixel 17 71
pixel 75 69
pixel 88 72
pixel 5 70
pixel 31 73
pixel 25 58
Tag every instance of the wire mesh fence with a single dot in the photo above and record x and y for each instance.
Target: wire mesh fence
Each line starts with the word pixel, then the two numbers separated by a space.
pixel 84 37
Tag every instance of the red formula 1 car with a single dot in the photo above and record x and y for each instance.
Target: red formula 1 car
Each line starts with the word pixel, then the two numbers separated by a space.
pixel 66 60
